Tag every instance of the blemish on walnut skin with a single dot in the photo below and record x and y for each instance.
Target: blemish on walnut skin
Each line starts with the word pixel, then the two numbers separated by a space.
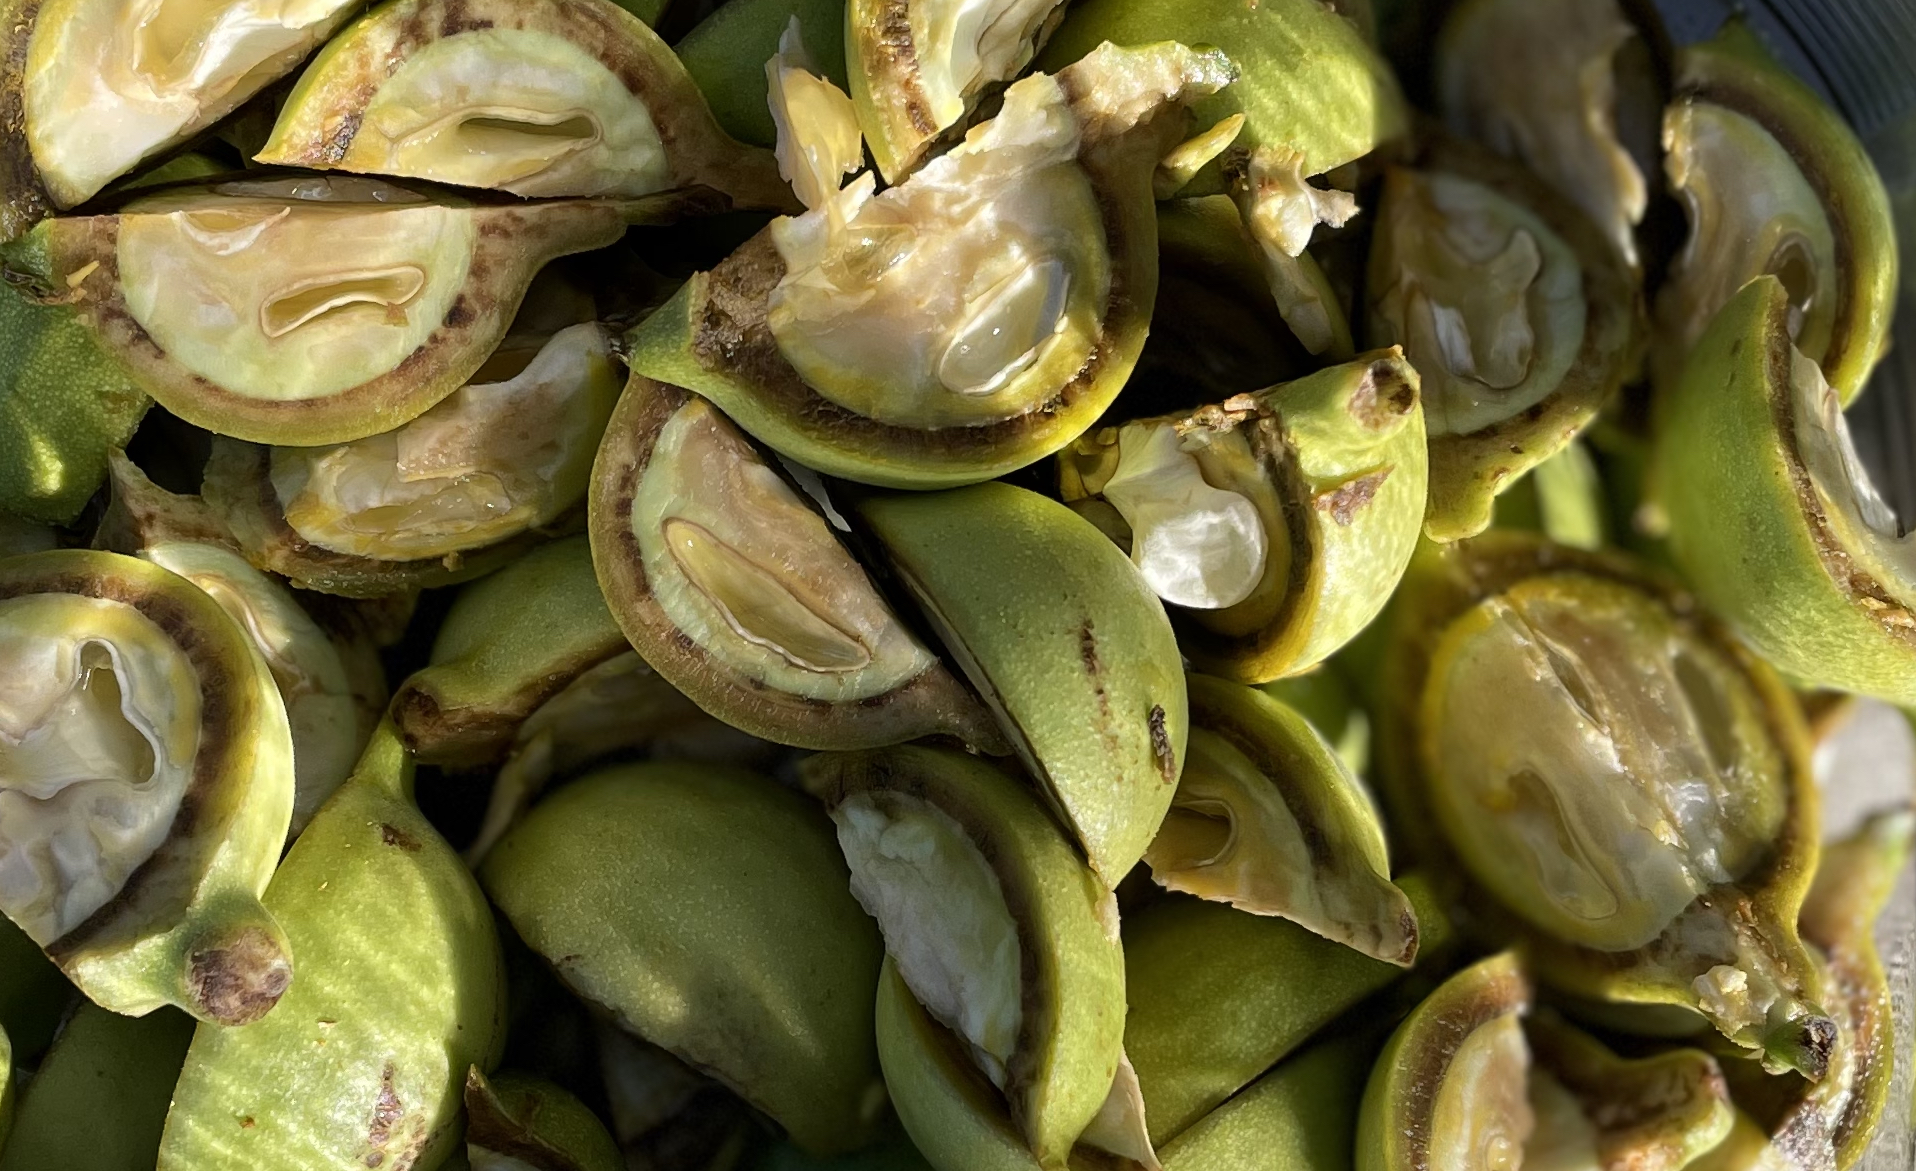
pixel 392 835
pixel 240 981
pixel 1345 501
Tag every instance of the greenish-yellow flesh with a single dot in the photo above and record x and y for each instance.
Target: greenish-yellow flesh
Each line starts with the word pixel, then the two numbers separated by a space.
pixel 1562 1137
pixel 495 458
pixel 289 289
pixel 943 915
pixel 1870 531
pixel 1481 1118
pixel 1597 766
pixel 1485 298
pixel 967 294
pixel 753 576
pixel 1752 212
pixel 99 727
pixel 111 82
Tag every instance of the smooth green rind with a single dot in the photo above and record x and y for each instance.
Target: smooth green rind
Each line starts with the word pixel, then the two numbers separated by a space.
pixel 1563 498
pixel 518 1116
pixel 1066 643
pixel 1394 1121
pixel 99 1099
pixel 1745 524
pixel 708 910
pixel 400 991
pixel 64 403
pixel 1329 700
pixel 187 928
pixel 726 54
pixel 1301 1116
pixel 1310 82
pixel 510 642
pixel 1737 72
pixel 1071 1032
pixel 1218 997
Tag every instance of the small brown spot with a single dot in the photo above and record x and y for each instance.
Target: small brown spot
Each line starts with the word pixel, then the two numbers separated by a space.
pixel 460 315
pixel 246 1122
pixel 333 150
pixel 392 835
pixel 387 1110
pixel 1161 746
pixel 1088 649
pixel 239 982
pixel 1345 501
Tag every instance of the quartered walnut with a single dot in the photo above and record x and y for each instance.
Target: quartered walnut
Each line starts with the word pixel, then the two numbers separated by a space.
pixel 110 83
pixel 579 99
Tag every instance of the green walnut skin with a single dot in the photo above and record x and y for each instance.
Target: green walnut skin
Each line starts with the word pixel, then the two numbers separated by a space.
pixel 726 54
pixel 401 990
pixel 1071 1032
pixel 510 642
pixel 1069 647
pixel 709 911
pixel 1218 997
pixel 1744 522
pixel 1310 83
pixel 518 1116
pixel 1301 1115
pixel 99 1099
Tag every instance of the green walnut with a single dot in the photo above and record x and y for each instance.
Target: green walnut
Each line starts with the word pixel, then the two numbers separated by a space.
pixel 303 311
pixel 1521 317
pixel 332 684
pixel 1065 641
pixel 516 1122
pixel 1302 1114
pixel 919 67
pixel 401 991
pixel 961 324
pixel 1274 525
pixel 96 87
pixel 98 1100
pixel 146 784
pixel 1772 514
pixel 1548 84
pixel 1268 820
pixel 736 590
pixel 995 925
pixel 1630 785
pixel 543 101
pixel 707 909
pixel 1775 184
pixel 1218 997
pixel 726 54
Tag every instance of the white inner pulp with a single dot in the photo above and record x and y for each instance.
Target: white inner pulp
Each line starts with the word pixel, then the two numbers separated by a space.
pixel 514 109
pixel 1481 1118
pixel 943 916
pixel 1197 546
pixel 1597 766
pixel 964 45
pixel 1872 532
pixel 99 726
pixel 1486 300
pixel 1751 212
pixel 965 295
pixel 488 462
pixel 746 570
pixel 1536 81
pixel 305 663
pixel 1563 1139
pixel 295 288
pixel 110 82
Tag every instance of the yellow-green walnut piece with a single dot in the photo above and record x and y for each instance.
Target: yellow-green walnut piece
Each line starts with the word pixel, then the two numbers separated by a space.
pixel 98 1100
pixel 515 1121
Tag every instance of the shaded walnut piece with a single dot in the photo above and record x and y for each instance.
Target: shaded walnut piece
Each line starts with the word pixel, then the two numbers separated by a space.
pixel 303 310
pixel 1282 210
pixel 1064 641
pixel 1449 1089
pixel 1218 997
pixel 1593 1109
pixel 1275 524
pixel 960 324
pixel 98 1098
pixel 1301 1114
pixel 1630 786
pixel 919 67
pixel 99 86
pixel 1519 315
pixel 995 925
pixel 1774 517
pixel 544 101
pixel 322 678
pixel 737 592
pixel 146 782
pixel 401 990
pixel 1538 82
pixel 1775 183
pixel 516 1121
pixel 1267 819
pixel 652 888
